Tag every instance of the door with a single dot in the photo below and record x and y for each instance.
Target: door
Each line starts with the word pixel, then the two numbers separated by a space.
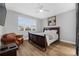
pixel 77 28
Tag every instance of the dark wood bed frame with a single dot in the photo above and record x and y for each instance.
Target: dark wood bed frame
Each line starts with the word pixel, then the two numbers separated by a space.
pixel 41 40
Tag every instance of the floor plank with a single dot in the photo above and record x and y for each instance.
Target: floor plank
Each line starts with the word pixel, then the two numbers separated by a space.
pixel 55 49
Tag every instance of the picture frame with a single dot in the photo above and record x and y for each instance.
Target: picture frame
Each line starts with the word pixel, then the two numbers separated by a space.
pixel 52 21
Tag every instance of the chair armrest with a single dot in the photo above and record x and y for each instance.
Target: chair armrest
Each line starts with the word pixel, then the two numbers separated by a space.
pixel 19 36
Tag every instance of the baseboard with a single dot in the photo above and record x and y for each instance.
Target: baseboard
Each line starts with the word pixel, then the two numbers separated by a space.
pixel 68 42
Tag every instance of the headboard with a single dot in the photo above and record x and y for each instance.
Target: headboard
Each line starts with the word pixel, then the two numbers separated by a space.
pixel 53 28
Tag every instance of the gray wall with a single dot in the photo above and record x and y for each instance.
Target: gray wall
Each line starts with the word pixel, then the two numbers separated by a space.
pixel 67 23
pixel 11 24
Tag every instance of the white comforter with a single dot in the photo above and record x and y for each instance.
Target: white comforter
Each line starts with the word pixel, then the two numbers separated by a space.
pixel 50 37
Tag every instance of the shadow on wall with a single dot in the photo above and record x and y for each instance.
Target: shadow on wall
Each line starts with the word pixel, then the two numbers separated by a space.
pixel 3 12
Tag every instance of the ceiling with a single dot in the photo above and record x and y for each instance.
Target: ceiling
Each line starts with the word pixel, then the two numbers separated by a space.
pixel 31 9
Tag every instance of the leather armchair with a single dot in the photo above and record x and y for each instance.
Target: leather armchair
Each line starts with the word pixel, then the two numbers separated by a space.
pixel 12 37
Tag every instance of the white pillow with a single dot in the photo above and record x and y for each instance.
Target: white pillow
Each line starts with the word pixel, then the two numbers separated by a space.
pixel 53 31
pixel 50 31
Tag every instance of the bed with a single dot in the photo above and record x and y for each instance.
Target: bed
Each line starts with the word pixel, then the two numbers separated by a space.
pixel 49 35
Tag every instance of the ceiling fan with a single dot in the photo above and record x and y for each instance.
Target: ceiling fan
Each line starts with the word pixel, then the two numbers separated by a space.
pixel 42 9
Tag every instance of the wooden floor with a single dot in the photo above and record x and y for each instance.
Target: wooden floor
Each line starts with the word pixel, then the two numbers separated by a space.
pixel 55 49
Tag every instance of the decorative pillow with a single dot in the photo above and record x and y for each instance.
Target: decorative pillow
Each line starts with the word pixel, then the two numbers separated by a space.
pixel 46 31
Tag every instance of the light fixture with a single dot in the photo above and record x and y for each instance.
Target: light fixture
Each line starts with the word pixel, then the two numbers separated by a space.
pixel 41 10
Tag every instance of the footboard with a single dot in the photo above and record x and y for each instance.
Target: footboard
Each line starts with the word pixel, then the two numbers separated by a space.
pixel 39 40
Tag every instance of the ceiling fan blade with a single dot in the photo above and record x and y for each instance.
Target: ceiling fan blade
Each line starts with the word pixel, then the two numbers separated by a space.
pixel 37 11
pixel 41 9
pixel 46 10
pixel 41 6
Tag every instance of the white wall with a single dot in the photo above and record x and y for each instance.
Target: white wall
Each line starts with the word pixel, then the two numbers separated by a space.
pixel 39 25
pixel 67 23
pixel 1 31
pixel 45 22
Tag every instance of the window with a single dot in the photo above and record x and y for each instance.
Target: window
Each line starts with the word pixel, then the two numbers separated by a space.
pixel 26 24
